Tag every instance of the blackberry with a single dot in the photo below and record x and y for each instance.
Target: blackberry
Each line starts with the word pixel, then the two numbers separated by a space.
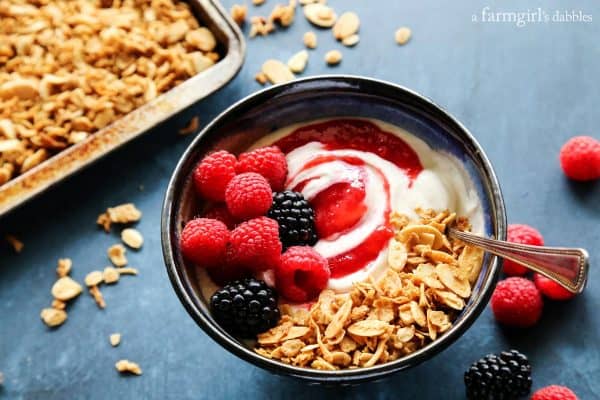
pixel 295 217
pixel 245 307
pixel 503 376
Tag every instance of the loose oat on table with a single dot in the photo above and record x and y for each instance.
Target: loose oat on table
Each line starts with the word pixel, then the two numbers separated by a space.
pixel 310 40
pixel 346 25
pixel 128 271
pixel 132 238
pixel 320 15
pixel 128 366
pixel 111 275
pixel 333 57
pixel 297 63
pixel 115 339
pixel 191 127
pixel 64 267
pixel 277 72
pixel 412 304
pixel 238 13
pixel 71 67
pixel 116 254
pixel 403 35
pixel 53 317
pixel 97 296
pixel 65 289
pixel 15 243
pixel 94 278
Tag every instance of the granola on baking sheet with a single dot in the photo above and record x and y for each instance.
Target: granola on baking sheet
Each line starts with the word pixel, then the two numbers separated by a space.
pixel 71 67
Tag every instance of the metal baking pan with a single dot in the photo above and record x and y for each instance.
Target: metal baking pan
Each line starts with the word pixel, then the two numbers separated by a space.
pixel 231 43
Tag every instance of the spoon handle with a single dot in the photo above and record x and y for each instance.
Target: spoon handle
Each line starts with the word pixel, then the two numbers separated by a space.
pixel 566 266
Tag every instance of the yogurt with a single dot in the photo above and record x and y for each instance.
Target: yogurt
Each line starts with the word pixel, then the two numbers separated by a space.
pixel 355 172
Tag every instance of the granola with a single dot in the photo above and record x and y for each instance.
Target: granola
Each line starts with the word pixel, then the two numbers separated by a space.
pixel 71 67
pixel 428 280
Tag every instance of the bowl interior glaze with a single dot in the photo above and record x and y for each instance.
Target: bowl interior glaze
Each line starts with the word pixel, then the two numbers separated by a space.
pixel 238 127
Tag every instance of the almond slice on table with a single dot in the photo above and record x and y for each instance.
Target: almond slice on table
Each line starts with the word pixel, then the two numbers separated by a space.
pixel 351 40
pixel 94 278
pixel 53 317
pixel 132 238
pixel 297 63
pixel 320 15
pixel 65 289
pixel 277 72
pixel 111 275
pixel 116 254
pixel 333 57
pixel 115 339
pixel 346 25
pixel 403 35
pixel 310 40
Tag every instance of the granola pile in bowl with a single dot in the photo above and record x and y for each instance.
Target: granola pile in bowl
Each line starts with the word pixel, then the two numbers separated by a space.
pixel 305 229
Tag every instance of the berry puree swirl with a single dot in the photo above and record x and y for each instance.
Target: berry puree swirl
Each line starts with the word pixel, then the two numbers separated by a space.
pixel 355 172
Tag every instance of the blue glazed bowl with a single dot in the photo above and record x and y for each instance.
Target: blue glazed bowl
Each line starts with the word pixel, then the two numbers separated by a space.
pixel 303 100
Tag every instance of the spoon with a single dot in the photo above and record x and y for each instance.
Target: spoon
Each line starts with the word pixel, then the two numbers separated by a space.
pixel 566 266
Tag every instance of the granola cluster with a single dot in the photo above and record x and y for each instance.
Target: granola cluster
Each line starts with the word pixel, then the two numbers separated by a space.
pixel 71 67
pixel 427 281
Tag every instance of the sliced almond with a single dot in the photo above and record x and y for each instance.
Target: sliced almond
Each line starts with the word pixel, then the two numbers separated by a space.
pixel 320 15
pixel 470 262
pixel 97 296
pixel 128 271
pixel 93 278
pixel 339 320
pixel 368 328
pixel 132 238
pixel 66 289
pixel 297 63
pixel 277 72
pixel 346 25
pixel 448 275
pixel 351 40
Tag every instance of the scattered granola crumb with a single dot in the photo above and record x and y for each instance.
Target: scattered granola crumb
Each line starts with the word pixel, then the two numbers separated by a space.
pixel 297 63
pixel 258 2
pixel 132 238
pixel 310 40
pixel 111 275
pixel 284 14
pixel 238 13
pixel 191 127
pixel 104 221
pixel 124 213
pixel 64 267
pixel 66 288
pixel 53 317
pixel 261 78
pixel 260 26
pixel 320 15
pixel 116 254
pixel 115 339
pixel 128 366
pixel 16 244
pixel 97 295
pixel 94 278
pixel 58 304
pixel 403 35
pixel 333 57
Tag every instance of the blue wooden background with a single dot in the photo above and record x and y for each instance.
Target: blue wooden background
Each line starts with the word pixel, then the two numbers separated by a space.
pixel 522 91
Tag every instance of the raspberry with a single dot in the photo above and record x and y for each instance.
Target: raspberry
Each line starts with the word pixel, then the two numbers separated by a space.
pixel 551 289
pixel 221 213
pixel 204 242
pixel 248 195
pixel 517 302
pixel 580 158
pixel 523 234
pixel 267 161
pixel 255 244
pixel 213 173
pixel 302 274
pixel 554 392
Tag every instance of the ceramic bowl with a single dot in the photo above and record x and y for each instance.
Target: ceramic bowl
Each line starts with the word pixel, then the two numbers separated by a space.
pixel 304 100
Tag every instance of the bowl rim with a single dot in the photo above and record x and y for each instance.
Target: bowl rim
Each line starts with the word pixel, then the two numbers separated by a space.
pixel 348 376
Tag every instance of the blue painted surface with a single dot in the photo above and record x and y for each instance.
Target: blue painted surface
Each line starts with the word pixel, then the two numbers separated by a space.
pixel 521 91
